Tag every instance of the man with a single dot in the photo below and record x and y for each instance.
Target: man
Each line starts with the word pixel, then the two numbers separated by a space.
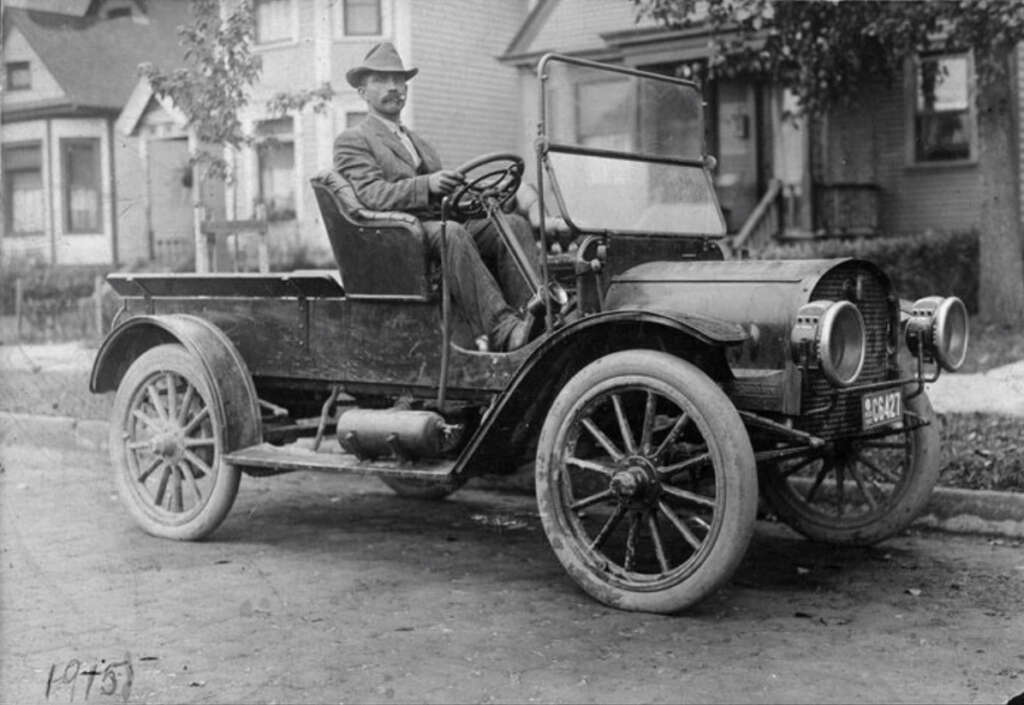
pixel 391 168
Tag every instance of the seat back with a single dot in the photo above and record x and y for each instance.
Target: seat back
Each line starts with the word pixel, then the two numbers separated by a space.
pixel 381 254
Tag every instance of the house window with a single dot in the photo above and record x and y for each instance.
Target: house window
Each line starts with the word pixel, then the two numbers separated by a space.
pixel 361 18
pixel 19 77
pixel 354 117
pixel 23 189
pixel 81 165
pixel 276 156
pixel 274 21
pixel 943 121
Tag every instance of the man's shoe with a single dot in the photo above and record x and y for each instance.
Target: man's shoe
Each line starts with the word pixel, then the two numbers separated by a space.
pixel 520 334
pixel 515 332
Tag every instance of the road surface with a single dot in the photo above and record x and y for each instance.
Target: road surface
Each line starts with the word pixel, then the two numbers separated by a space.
pixel 322 588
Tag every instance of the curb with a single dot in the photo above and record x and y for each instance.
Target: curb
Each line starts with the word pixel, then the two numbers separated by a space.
pixel 948 509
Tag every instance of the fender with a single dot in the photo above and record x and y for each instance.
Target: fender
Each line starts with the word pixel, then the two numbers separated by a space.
pixel 517 415
pixel 231 384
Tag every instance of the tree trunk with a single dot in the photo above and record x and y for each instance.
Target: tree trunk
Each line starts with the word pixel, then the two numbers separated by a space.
pixel 1001 252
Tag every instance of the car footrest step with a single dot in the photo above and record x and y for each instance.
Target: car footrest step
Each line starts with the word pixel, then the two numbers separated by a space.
pixel 296 457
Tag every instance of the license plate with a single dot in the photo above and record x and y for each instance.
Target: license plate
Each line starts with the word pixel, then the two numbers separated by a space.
pixel 881 408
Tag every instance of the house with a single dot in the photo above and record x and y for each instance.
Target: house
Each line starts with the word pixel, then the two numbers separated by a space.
pixel 304 44
pixel 907 162
pixel 71 184
pixel 97 169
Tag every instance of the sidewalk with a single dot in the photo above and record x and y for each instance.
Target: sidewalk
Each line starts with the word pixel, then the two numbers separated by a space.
pixel 998 391
pixel 68 416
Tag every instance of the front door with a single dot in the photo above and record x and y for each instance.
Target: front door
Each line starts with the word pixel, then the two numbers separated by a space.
pixel 733 118
pixel 170 199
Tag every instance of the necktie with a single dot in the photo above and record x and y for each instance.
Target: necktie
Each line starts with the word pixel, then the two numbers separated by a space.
pixel 403 136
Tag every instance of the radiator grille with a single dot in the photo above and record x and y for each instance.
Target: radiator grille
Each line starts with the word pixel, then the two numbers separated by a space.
pixel 845 416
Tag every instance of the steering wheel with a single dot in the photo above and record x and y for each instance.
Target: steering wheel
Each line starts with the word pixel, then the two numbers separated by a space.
pixel 495 176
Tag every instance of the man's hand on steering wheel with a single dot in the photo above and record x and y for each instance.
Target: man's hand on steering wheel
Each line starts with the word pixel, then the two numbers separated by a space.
pixel 444 182
pixel 492 177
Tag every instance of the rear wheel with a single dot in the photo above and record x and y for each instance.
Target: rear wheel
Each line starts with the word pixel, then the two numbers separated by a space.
pixel 860 492
pixel 646 482
pixel 167 446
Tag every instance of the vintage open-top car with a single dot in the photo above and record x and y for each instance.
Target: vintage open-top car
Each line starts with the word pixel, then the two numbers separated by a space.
pixel 667 385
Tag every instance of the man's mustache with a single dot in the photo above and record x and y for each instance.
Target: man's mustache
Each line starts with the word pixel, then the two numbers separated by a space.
pixel 400 95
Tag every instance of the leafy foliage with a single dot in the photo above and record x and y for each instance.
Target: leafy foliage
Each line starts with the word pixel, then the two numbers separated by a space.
pixel 827 52
pixel 917 265
pixel 317 98
pixel 213 85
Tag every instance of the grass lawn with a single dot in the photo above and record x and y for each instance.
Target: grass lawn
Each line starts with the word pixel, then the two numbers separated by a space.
pixel 985 451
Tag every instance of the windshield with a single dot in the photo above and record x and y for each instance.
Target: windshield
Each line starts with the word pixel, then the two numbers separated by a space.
pixel 625 150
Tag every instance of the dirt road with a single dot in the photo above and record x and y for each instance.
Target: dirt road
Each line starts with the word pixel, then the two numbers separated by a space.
pixel 329 589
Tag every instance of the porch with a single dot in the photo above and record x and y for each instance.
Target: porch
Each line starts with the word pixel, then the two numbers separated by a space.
pixel 840 209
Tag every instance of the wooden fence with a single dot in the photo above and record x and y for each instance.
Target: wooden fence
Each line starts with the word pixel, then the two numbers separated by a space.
pixel 55 319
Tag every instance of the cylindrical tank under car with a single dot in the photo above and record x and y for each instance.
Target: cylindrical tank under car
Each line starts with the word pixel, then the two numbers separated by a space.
pixel 405 434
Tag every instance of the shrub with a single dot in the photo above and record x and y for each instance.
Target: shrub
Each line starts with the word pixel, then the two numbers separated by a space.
pixel 59 286
pixel 918 265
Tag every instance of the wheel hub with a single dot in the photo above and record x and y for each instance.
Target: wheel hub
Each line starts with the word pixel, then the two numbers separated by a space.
pixel 635 482
pixel 168 444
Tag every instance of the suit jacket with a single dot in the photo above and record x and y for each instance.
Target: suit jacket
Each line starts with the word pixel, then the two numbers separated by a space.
pixel 381 170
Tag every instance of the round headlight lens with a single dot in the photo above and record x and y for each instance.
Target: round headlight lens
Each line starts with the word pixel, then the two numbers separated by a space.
pixel 842 343
pixel 951 332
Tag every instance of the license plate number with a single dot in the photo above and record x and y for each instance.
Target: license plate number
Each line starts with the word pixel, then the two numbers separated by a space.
pixel 882 408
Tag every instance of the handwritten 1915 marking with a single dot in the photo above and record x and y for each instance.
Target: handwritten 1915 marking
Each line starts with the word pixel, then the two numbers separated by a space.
pixel 115 679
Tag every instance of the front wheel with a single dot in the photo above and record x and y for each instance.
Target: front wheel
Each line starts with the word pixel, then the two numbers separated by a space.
pixel 860 492
pixel 646 482
pixel 167 446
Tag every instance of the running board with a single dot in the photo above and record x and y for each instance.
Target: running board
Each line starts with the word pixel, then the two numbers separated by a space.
pixel 276 459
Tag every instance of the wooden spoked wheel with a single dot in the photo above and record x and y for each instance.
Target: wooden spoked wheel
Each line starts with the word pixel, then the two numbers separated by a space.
pixel 646 482
pixel 862 491
pixel 166 444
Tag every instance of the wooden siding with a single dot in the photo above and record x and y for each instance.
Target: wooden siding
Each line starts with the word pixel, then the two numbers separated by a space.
pixel 1019 75
pixel 465 101
pixel 577 25
pixel 869 145
pixel 130 204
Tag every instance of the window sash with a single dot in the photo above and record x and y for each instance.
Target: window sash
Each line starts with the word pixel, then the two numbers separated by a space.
pixel 273 21
pixel 19 76
pixel 81 160
pixel 942 110
pixel 362 18
pixel 276 168
pixel 23 189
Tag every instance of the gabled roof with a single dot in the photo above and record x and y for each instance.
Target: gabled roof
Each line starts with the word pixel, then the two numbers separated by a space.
pixel 573 27
pixel 95 61
pixel 140 101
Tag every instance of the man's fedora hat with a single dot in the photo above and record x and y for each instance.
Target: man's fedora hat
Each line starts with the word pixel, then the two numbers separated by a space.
pixel 382 58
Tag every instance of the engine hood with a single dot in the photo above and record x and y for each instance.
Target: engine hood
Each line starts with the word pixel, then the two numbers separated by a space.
pixel 762 296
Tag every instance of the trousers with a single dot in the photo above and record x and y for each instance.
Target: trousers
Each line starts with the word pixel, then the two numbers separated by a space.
pixel 483 279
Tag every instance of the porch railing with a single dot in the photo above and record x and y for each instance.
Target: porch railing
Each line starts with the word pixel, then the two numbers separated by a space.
pixel 762 224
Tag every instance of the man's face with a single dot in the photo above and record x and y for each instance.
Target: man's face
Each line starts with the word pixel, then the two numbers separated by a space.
pixel 384 93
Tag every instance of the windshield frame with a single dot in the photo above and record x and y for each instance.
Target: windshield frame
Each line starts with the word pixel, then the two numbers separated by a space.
pixel 546 145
